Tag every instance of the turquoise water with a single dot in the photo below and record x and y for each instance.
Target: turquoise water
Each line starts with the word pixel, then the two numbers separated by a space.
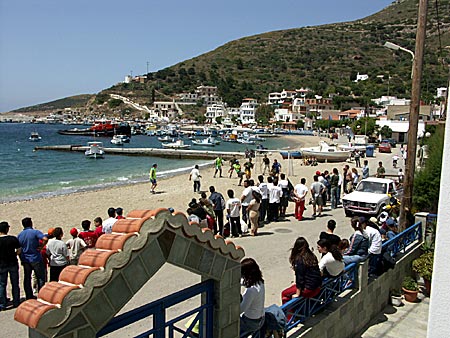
pixel 28 174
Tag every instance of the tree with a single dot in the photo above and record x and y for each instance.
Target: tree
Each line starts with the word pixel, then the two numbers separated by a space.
pixel 300 124
pixel 365 125
pixel 386 132
pixel 427 180
pixel 264 113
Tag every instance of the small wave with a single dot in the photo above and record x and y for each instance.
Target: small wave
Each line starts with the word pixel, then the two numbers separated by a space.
pixel 122 178
pixel 65 182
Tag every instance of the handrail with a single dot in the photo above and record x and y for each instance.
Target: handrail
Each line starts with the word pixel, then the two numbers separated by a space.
pixel 298 310
pixel 157 310
pixel 401 241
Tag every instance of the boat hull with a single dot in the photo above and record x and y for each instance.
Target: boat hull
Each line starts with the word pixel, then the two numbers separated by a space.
pixel 291 154
pixel 331 156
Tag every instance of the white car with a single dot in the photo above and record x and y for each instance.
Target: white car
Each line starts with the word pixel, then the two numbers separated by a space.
pixel 370 197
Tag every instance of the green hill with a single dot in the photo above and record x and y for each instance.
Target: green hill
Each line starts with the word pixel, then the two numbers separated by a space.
pixel 323 58
pixel 77 101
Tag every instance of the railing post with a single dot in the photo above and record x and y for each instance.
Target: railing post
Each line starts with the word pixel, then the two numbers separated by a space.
pixel 159 321
pixel 363 273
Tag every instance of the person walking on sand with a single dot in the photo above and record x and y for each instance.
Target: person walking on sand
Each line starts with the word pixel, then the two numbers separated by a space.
pixel 218 163
pixel 380 170
pixel 153 178
pixel 195 176
pixel 232 162
pixel 248 166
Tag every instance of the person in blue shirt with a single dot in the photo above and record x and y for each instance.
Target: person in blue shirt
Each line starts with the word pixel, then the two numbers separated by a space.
pixel 30 256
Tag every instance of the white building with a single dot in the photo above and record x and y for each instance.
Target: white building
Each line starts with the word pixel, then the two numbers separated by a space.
pixel 441 92
pixel 391 101
pixel 361 77
pixel 248 110
pixel 274 98
pixel 286 115
pixel 214 111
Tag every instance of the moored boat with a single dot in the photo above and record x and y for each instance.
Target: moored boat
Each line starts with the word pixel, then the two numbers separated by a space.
pixel 95 150
pixel 325 152
pixel 295 154
pixel 206 142
pixel 117 140
pixel 178 144
pixel 35 137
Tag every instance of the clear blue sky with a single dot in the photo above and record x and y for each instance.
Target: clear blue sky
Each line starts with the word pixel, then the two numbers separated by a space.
pixel 51 49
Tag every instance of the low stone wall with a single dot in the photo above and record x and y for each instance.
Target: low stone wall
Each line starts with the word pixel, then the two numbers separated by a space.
pixel 351 313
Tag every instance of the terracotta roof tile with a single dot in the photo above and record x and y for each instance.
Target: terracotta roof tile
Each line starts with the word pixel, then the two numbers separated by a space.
pixel 31 311
pixel 55 292
pixel 76 274
pixel 95 258
pixel 113 241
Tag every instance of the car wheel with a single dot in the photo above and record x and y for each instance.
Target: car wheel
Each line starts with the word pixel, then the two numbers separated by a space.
pixel 348 213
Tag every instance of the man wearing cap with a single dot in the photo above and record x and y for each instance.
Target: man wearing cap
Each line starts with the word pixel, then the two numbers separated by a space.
pixel 375 243
pixel 9 249
pixel 31 256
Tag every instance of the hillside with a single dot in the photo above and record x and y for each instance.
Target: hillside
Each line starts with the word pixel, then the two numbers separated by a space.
pixel 323 58
pixel 77 101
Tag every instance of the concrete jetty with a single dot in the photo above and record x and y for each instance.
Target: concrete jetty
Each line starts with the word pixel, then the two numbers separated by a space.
pixel 155 152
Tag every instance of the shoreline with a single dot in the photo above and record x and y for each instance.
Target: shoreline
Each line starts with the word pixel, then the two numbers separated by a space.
pixel 70 208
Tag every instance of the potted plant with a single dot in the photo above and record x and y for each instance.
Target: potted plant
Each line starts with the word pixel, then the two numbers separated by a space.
pixel 423 265
pixel 410 289
pixel 396 297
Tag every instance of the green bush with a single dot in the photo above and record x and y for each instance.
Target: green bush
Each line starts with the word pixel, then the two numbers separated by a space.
pixel 424 265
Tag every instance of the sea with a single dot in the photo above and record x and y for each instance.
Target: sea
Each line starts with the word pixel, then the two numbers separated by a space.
pixel 30 174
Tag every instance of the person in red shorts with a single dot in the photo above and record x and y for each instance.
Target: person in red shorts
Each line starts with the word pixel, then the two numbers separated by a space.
pixel 308 279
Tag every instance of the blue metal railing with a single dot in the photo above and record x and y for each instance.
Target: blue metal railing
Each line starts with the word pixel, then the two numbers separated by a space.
pixel 299 309
pixel 157 309
pixel 401 241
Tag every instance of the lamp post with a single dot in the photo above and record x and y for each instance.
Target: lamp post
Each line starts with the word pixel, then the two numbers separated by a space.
pixel 393 46
pixel 410 166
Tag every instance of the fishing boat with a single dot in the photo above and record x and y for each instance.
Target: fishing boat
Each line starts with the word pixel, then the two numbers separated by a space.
pixel 35 137
pixel 178 144
pixel 325 152
pixel 245 141
pixel 95 150
pixel 166 138
pixel 100 128
pixel 295 154
pixel 206 142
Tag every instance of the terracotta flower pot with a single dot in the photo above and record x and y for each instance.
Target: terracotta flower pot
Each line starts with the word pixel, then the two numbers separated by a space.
pixel 410 296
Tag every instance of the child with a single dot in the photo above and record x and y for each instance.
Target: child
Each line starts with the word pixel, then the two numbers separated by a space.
pixel 98 222
pixel 76 246
pixel 119 213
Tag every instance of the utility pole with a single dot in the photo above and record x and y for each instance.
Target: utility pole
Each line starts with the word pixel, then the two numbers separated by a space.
pixel 405 208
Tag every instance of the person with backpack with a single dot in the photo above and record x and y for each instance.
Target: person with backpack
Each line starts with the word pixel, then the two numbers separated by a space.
pixel 218 207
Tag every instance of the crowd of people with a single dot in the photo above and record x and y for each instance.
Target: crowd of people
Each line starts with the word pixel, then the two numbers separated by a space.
pixel 311 270
pixel 44 255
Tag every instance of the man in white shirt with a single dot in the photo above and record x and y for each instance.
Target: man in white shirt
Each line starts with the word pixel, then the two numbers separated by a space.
pixel 195 176
pixel 375 246
pixel 264 198
pixel 275 194
pixel 108 223
pixel 246 198
pixel 317 190
pixel 233 207
pixel 300 192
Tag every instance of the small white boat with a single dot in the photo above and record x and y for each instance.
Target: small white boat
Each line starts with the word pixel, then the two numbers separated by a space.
pixel 95 150
pixel 178 144
pixel 166 138
pixel 124 138
pixel 117 140
pixel 206 142
pixel 245 141
pixel 35 137
pixel 350 147
pixel 325 152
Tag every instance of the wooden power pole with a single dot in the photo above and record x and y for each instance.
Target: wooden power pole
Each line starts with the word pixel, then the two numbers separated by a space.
pixel 405 208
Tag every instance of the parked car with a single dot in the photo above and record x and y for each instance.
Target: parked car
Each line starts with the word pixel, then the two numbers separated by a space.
pixel 370 197
pixel 391 141
pixel 384 147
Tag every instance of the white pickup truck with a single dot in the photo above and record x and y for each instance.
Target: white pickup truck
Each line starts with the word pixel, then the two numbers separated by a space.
pixel 369 197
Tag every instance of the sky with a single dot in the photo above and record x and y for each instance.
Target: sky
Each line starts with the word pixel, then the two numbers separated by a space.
pixel 50 49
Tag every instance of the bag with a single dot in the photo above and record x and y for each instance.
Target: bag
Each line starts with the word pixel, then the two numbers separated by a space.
pixel 244 227
pixel 222 202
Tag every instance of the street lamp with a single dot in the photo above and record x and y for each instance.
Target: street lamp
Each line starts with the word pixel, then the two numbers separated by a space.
pixel 393 46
